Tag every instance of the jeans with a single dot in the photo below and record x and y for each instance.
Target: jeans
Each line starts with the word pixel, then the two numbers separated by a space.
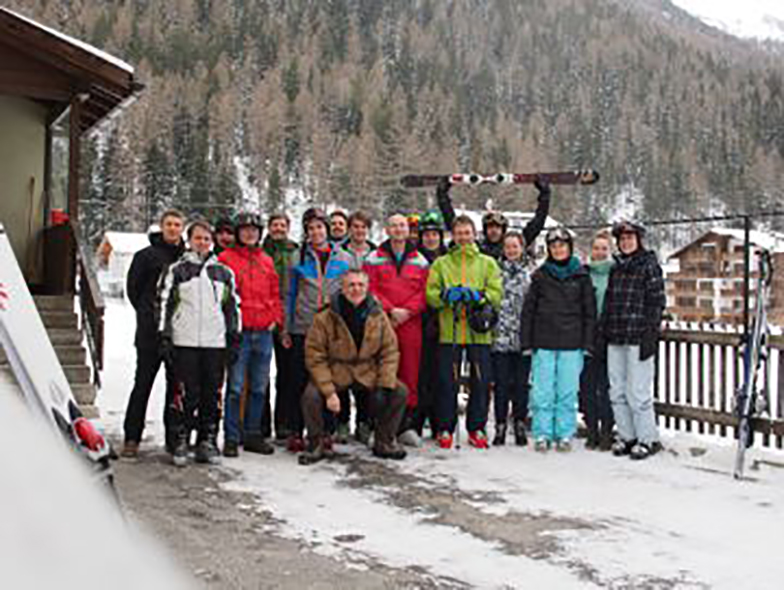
pixel 631 393
pixel 594 390
pixel 556 380
pixel 254 359
pixel 511 371
pixel 480 375
pixel 148 363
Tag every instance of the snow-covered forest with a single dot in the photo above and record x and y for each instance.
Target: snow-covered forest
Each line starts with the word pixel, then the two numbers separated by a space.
pixel 248 102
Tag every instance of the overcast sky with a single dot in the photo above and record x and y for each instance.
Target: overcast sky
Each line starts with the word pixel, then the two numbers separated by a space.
pixel 742 17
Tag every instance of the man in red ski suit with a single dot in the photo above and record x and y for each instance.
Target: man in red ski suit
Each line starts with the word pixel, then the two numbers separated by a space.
pixel 398 279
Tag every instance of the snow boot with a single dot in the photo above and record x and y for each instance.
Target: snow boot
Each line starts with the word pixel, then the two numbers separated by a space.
pixel 500 434
pixel 255 443
pixel 521 438
pixel 319 450
pixel 231 449
pixel 180 453
pixel 563 445
pixel 445 440
pixel 642 451
pixel 542 445
pixel 295 444
pixel 207 452
pixel 389 451
pixel 592 441
pixel 605 441
pixel 477 439
pixel 130 450
pixel 621 448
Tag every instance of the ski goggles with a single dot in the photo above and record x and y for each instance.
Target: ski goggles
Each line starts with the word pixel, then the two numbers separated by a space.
pixel 558 234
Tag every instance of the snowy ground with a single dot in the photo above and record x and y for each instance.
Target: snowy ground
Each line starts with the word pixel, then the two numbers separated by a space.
pixel 505 518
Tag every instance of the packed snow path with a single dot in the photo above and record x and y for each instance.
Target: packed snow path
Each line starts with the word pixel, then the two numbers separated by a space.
pixel 502 518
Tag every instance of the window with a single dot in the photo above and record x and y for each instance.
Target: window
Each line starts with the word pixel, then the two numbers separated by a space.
pixel 685 301
pixel 706 304
pixel 706 286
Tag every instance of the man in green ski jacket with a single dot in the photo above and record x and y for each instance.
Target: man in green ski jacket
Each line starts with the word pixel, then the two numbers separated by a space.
pixel 465 287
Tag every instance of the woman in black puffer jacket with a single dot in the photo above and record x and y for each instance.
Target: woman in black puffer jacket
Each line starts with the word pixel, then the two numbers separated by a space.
pixel 559 315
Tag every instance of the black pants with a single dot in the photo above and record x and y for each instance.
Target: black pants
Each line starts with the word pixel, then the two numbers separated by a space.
pixel 360 402
pixel 428 383
pixel 148 362
pixel 511 371
pixel 292 409
pixel 595 392
pixel 200 370
pixel 480 375
pixel 283 380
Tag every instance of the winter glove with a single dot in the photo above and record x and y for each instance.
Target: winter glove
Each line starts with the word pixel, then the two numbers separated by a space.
pixel 453 295
pixel 649 344
pixel 543 186
pixel 167 350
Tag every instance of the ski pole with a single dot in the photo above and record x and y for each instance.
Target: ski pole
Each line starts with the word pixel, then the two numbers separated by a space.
pixel 456 366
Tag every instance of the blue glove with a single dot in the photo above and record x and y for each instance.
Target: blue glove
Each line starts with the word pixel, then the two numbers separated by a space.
pixel 453 295
pixel 472 295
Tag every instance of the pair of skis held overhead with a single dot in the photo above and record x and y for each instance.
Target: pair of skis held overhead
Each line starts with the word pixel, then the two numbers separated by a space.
pixel 747 399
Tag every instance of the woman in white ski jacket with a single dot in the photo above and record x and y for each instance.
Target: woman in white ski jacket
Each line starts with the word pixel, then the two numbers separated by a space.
pixel 199 322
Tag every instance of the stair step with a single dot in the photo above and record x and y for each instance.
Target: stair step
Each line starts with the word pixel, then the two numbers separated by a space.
pixel 64 336
pixel 84 393
pixel 59 319
pixel 54 302
pixel 77 375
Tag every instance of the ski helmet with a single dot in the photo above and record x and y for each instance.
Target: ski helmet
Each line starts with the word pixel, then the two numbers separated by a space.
pixel 560 234
pixel 431 220
pixel 494 218
pixel 625 226
pixel 482 317
pixel 246 219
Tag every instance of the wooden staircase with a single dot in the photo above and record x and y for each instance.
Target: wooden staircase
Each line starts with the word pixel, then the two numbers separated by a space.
pixel 62 325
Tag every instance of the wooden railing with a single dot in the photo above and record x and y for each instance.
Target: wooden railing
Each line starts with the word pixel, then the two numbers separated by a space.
pixel 90 302
pixel 698 370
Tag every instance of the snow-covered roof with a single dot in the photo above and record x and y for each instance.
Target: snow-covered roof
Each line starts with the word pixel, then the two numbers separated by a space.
pixel 773 242
pixel 76 42
pixel 126 242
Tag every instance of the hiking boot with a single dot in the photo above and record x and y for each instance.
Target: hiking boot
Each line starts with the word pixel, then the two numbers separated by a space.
pixel 320 450
pixel 520 436
pixel 410 438
pixel 477 439
pixel 563 446
pixel 257 444
pixel 542 445
pixel 621 447
pixel 180 454
pixel 445 440
pixel 362 433
pixel 643 450
pixel 605 441
pixel 389 451
pixel 295 444
pixel 207 452
pixel 231 449
pixel 500 434
pixel 341 437
pixel 130 450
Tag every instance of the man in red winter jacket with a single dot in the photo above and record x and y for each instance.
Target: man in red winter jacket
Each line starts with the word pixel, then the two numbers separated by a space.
pixel 261 310
pixel 398 279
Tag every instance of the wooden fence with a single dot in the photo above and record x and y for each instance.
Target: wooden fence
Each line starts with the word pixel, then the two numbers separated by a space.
pixel 698 369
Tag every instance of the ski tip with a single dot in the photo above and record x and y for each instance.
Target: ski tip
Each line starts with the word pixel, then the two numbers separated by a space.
pixel 588 177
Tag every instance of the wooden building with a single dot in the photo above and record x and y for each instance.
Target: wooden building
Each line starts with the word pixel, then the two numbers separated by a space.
pixel 708 283
pixel 53 90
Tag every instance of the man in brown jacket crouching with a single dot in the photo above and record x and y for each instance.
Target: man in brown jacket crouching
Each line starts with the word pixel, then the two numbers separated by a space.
pixel 352 345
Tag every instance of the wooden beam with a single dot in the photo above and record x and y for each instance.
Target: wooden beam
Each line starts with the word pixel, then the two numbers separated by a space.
pixel 705 415
pixel 74 156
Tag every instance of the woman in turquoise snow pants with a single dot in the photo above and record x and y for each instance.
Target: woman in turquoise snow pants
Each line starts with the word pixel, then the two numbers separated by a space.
pixel 559 314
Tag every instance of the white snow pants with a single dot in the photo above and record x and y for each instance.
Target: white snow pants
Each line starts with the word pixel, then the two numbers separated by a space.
pixel 631 393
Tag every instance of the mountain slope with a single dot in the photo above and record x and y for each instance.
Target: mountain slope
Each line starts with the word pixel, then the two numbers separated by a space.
pixel 333 100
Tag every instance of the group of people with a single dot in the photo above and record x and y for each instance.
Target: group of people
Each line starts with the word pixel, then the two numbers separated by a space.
pixel 400 327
